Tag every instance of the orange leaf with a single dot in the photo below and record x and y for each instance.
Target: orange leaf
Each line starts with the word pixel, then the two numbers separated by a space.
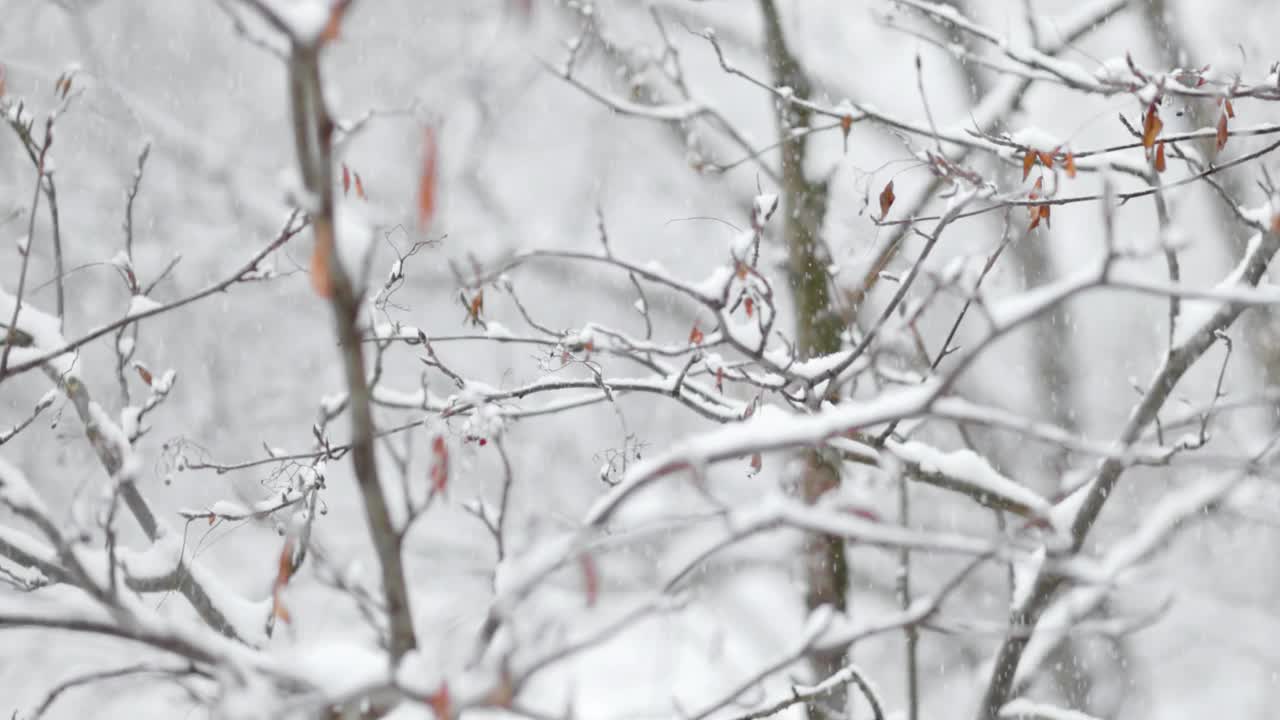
pixel 427 184
pixel 278 609
pixel 590 578
pixel 1028 162
pixel 1222 132
pixel 1044 213
pixel 360 188
pixel 750 306
pixel 1159 162
pixel 441 703
pixel 1070 164
pixel 1038 187
pixel 475 307
pixel 334 26
pixel 321 258
pixel 1035 216
pixel 144 373
pixel 695 335
pixel 886 200
pixel 285 569
pixel 1231 112
pixel 1046 159
pixel 439 465
pixel 346 180
pixel 1151 126
pixel 283 573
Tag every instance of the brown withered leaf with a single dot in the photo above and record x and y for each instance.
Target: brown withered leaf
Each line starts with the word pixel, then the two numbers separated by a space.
pixel 1151 127
pixel 1044 213
pixel 144 373
pixel 1070 165
pixel 322 258
pixel 1035 216
pixel 1222 132
pixel 1159 161
pixel 590 578
pixel 427 183
pixel 695 335
pixel 346 180
pixel 284 572
pixel 441 703
pixel 1028 162
pixel 439 465
pixel 360 187
pixel 475 307
pixel 886 200
pixel 757 462
pixel 1231 112
pixel 333 28
pixel 749 305
pixel 1046 159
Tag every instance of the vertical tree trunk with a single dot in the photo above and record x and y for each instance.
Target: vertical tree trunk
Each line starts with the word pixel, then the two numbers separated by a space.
pixel 804 206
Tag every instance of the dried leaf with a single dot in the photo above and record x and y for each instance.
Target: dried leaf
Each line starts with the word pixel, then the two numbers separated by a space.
pixel 741 270
pixel 757 462
pixel 279 610
pixel 1037 188
pixel 1044 213
pixel 590 578
pixel 284 570
pixel 360 187
pixel 439 465
pixel 749 305
pixel 886 200
pixel 863 512
pixel 346 180
pixel 1222 132
pixel 441 703
pixel 1070 165
pixel 1159 161
pixel 846 123
pixel 144 373
pixel 1231 112
pixel 321 259
pixel 1151 126
pixel 427 183
pixel 1028 162
pixel 1046 159
pixel 1035 216
pixel 720 380
pixel 475 307
pixel 695 335
pixel 333 27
